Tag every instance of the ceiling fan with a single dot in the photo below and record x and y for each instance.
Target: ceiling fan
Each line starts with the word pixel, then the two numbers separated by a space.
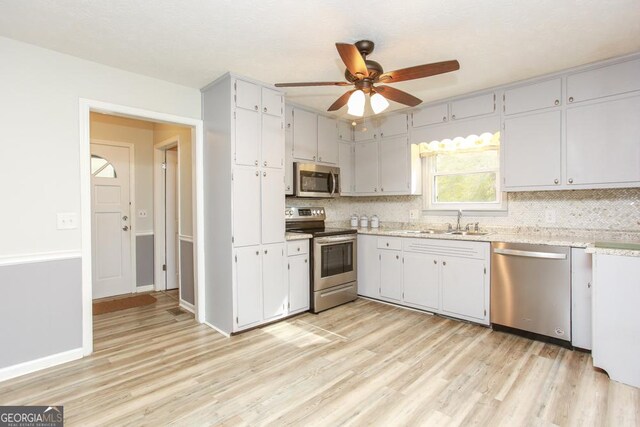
pixel 364 74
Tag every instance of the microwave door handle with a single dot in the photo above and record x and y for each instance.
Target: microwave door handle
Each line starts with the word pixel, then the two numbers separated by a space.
pixel 335 183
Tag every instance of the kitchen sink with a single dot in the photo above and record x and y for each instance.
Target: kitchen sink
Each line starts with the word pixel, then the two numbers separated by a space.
pixel 468 233
pixel 411 232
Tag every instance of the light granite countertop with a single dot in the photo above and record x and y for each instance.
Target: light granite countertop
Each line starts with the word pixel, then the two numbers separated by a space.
pixel 289 236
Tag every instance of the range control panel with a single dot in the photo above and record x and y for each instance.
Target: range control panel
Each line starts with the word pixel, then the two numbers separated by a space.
pixel 302 214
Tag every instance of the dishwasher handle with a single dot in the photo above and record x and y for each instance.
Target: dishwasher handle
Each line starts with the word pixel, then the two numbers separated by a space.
pixel 529 254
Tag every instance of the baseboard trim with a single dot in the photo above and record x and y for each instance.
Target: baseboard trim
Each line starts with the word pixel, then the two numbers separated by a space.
pixel 38 364
pixel 188 306
pixel 145 288
pixel 217 329
pixel 38 257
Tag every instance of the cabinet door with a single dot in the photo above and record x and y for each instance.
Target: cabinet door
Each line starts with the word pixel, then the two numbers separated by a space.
pixel 430 115
pixel 288 150
pixel 247 138
pixel 344 130
pixel 275 291
pixel 272 206
pixel 420 281
pixel 604 81
pixel 298 283
pixel 475 106
pixel 366 131
pixel 533 97
pixel 345 162
pixel 464 288
pixel 393 125
pixel 327 140
pixel 368 266
pixel 394 165
pixel 247 95
pixel 248 286
pixel 305 135
pixel 246 206
pixel 581 279
pixel 390 275
pixel 603 142
pixel 366 162
pixel 271 102
pixel 532 150
pixel 272 141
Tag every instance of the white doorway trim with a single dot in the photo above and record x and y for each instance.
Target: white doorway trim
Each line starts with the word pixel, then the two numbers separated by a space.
pixel 132 202
pixel 86 106
pixel 159 188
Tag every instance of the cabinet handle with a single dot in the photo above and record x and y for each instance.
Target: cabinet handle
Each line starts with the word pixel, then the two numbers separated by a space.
pixel 381 189
pixel 397 256
pixel 387 244
pixel 381 134
pixel 375 136
pixel 257 252
pixel 444 262
pixel 288 187
pixel 256 163
pixel 375 189
pixel 257 173
pixel 265 251
pixel 314 157
pixel 265 163
pixel 571 99
pixel 435 262
pixel 305 260
pixel 264 174
pixel 555 181
pixel 255 107
pixel 264 109
pixel 444 119
pixel 298 249
pixel 557 102
pixel 288 125
pixel 453 116
pixel 570 180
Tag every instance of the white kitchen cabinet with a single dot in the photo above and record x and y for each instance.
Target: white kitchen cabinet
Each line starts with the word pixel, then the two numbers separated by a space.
pixel 607 80
pixel 390 275
pixel 392 125
pixel 431 115
pixel 365 131
pixel 474 106
pixel 272 102
pixel 327 140
pixel 288 150
pixel 394 164
pixel 345 131
pixel 366 167
pixel 271 206
pixel 368 266
pixel 246 207
pixel 346 165
pixel 421 282
pixel 531 97
pixel 305 135
pixel 616 318
pixel 603 143
pixel 532 147
pixel 248 289
pixel 247 95
pixel 275 291
pixel 272 150
pixel 464 286
pixel 581 280
pixel 247 140
pixel 298 276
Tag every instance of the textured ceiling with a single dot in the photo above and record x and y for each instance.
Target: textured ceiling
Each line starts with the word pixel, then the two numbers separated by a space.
pixel 193 42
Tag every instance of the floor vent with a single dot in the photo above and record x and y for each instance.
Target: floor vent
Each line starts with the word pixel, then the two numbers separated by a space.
pixel 176 311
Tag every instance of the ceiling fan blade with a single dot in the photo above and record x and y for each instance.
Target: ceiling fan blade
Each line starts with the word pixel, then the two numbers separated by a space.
pixel 419 71
pixel 341 102
pixel 313 84
pixel 352 59
pixel 398 95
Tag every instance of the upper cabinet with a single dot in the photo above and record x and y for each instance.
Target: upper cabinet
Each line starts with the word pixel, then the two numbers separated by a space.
pixel 475 106
pixel 327 141
pixel 531 97
pixel 347 167
pixel 345 131
pixel 247 95
pixel 288 150
pixel 315 137
pixel 604 81
pixel 431 115
pixel 272 102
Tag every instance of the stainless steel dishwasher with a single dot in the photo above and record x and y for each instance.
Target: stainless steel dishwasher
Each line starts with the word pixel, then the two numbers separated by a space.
pixel 531 290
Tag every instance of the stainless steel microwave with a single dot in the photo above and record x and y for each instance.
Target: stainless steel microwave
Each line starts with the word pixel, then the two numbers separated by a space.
pixel 311 180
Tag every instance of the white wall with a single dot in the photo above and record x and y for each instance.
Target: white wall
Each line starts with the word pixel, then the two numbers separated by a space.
pixel 140 134
pixel 39 113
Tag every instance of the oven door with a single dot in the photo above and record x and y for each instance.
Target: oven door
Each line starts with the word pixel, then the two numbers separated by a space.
pixel 334 261
pixel 316 180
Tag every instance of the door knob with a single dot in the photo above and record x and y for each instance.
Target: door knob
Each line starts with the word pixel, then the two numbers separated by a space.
pixel 125 228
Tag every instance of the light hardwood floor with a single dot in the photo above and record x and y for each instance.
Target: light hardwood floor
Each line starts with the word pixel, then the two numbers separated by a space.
pixel 363 363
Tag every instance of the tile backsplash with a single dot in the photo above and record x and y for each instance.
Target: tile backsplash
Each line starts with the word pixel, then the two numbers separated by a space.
pixel 611 209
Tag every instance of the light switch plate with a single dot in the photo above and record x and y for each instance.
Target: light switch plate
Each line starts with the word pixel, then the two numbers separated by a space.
pixel 67 221
pixel 142 213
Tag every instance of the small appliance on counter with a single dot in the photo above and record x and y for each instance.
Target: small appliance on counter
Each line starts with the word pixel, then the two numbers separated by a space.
pixel 354 220
pixel 375 222
pixel 333 251
pixel 364 221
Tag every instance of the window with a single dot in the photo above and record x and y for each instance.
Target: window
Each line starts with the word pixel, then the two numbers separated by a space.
pixel 101 168
pixel 463 173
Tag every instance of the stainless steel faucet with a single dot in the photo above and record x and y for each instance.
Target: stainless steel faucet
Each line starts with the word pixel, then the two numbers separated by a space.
pixel 458 228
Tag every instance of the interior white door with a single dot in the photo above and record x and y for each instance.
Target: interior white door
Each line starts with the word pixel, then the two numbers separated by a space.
pixel 111 225
pixel 171 220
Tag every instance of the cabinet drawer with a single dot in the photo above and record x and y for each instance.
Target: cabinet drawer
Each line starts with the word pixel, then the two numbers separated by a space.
pixel 471 107
pixel 454 248
pixel 605 81
pixel 533 97
pixel 430 115
pixel 394 243
pixel 297 247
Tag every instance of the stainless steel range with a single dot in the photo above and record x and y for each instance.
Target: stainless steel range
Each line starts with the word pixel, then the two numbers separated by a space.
pixel 333 269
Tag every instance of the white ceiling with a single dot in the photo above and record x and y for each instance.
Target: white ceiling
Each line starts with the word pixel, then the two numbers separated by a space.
pixel 193 42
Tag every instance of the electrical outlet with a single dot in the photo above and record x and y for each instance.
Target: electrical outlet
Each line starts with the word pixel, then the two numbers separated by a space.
pixel 550 216
pixel 414 214
pixel 67 221
pixel 142 213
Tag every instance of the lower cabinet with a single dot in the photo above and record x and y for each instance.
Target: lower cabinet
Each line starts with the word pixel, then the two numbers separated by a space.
pixel 274 285
pixel 449 277
pixel 298 276
pixel 248 286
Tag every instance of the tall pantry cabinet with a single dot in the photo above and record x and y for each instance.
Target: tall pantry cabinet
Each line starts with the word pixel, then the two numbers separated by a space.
pixel 244 200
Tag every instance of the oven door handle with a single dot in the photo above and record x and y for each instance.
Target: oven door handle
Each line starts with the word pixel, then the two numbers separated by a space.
pixel 330 240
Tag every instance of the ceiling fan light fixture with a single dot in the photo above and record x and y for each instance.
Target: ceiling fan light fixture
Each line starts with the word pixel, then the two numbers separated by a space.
pixel 356 104
pixel 378 103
